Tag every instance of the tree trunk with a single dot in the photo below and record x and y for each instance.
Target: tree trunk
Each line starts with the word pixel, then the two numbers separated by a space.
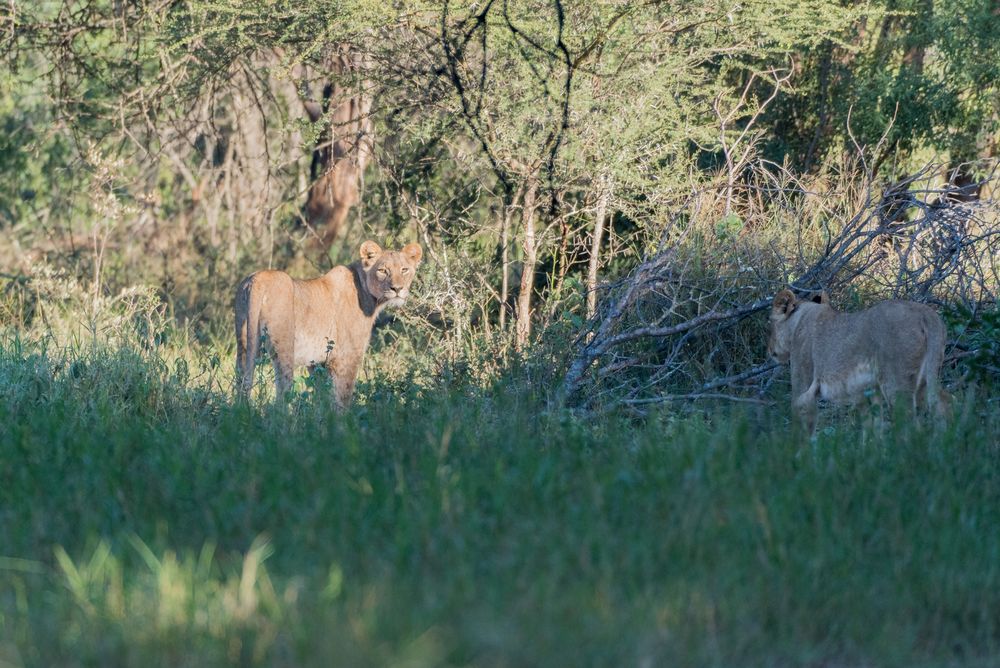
pixel 252 177
pixel 505 261
pixel 523 330
pixel 595 247
pixel 917 41
pixel 342 150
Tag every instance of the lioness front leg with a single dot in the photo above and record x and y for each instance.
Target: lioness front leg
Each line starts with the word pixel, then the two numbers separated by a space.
pixel 344 377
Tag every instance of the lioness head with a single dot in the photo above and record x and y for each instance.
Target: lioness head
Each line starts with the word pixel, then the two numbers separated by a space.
pixel 783 324
pixel 388 274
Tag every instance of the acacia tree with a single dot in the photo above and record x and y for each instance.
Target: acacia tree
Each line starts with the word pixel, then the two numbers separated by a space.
pixel 221 93
pixel 921 73
pixel 519 126
pixel 564 99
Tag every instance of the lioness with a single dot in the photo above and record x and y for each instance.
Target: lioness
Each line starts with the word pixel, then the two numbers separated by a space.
pixel 325 321
pixel 894 346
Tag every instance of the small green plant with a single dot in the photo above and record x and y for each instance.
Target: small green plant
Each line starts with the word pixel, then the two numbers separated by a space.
pixel 728 228
pixel 977 337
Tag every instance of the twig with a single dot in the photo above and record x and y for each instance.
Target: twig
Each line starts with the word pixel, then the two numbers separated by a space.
pixel 697 396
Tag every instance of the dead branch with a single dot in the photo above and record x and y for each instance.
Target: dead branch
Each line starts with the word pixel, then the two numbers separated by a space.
pixel 680 325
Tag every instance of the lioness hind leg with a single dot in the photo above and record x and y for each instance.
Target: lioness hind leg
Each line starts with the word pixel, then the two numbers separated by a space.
pixel 242 386
pixel 284 374
pixel 933 399
pixel 879 409
pixel 245 367
pixel 805 406
pixel 807 418
pixel 246 351
pixel 942 407
pixel 281 342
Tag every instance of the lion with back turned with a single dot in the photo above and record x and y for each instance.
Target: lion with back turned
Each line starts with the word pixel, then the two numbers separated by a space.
pixel 895 347
pixel 321 322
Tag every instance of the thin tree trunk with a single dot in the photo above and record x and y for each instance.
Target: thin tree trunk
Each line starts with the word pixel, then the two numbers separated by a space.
pixel 252 158
pixel 595 247
pixel 822 128
pixel 560 269
pixel 342 150
pixel 916 49
pixel 523 329
pixel 505 259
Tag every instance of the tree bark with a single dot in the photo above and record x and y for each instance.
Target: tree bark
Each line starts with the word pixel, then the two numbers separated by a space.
pixel 595 247
pixel 342 151
pixel 252 181
pixel 523 329
pixel 505 261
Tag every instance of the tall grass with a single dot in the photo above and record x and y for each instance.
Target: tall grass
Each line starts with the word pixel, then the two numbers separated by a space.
pixel 147 519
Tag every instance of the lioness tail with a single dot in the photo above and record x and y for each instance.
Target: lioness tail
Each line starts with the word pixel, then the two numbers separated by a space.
pixel 247 335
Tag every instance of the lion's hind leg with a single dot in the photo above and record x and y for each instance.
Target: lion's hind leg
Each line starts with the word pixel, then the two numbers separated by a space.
pixel 246 364
pixel 805 405
pixel 281 342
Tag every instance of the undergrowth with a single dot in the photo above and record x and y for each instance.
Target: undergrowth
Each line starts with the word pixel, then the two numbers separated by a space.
pixel 147 518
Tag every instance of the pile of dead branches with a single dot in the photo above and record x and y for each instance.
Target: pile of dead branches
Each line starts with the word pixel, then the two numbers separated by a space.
pixel 682 325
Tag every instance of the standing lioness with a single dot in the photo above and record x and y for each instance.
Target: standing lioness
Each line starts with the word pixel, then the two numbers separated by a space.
pixel 325 321
pixel 896 347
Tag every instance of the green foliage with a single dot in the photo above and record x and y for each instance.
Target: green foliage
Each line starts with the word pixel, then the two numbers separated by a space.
pixel 31 155
pixel 728 227
pixel 978 342
pixel 922 74
pixel 218 35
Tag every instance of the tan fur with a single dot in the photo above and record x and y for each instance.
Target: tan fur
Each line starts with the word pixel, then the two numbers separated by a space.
pixel 325 321
pixel 896 347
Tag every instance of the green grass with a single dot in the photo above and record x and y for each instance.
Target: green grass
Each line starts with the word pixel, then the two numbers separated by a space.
pixel 146 519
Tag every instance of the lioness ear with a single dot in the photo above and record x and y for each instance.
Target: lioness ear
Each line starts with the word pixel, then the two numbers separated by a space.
pixel 370 252
pixel 413 252
pixel 784 302
pixel 819 297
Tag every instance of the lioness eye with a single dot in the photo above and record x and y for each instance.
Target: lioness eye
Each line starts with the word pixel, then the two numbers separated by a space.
pixel 406 270
pixel 381 271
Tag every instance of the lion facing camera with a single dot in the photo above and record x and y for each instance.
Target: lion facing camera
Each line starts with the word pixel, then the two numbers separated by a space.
pixel 320 322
